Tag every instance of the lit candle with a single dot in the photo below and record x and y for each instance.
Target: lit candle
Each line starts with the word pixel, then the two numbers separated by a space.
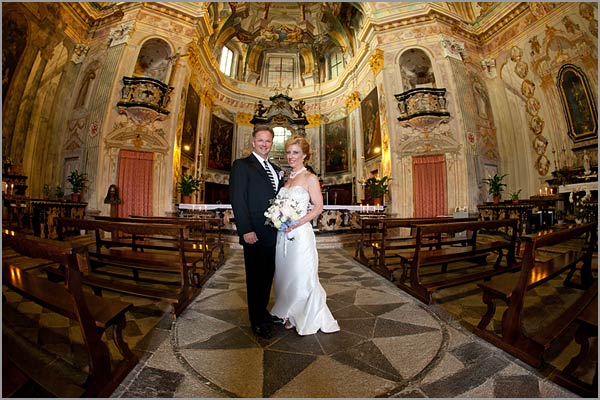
pixel 546 190
pixel 540 192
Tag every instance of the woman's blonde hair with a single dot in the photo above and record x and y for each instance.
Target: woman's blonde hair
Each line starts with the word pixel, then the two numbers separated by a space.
pixel 300 141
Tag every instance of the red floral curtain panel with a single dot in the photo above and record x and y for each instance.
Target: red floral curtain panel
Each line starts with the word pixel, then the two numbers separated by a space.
pixel 429 186
pixel 135 182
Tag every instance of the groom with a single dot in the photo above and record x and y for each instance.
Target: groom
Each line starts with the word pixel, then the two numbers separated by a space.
pixel 252 183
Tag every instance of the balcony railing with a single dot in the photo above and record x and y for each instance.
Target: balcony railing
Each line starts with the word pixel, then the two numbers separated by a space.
pixel 422 102
pixel 145 92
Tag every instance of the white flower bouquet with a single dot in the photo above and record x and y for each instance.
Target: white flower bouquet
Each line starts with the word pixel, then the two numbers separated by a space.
pixel 283 213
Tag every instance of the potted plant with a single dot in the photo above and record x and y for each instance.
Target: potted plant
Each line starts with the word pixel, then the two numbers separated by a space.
pixel 514 196
pixel 496 186
pixel 187 185
pixel 46 191
pixel 59 193
pixel 377 188
pixel 78 184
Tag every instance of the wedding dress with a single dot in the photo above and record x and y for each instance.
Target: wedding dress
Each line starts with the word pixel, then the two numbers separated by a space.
pixel 299 296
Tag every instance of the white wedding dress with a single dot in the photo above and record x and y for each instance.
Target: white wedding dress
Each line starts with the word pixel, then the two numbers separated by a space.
pixel 299 297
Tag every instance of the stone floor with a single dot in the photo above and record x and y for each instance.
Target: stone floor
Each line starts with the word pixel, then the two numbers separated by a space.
pixel 390 345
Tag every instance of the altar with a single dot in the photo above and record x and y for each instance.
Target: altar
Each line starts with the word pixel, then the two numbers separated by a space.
pixel 334 218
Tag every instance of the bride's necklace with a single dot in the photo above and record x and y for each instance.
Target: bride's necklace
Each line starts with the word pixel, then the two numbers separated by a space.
pixel 294 174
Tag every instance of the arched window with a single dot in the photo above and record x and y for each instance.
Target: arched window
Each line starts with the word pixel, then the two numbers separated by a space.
pixel 226 64
pixel 416 70
pixel 336 64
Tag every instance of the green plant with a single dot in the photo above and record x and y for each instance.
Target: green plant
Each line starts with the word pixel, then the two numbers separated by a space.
pixel 59 192
pixel 188 184
pixel 46 190
pixel 377 187
pixel 77 180
pixel 515 195
pixel 495 184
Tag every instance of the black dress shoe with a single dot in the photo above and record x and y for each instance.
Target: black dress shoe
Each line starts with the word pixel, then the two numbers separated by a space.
pixel 264 331
pixel 276 320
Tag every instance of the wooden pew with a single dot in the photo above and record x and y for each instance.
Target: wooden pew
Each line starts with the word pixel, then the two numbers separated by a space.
pixel 381 234
pixel 94 314
pixel 425 256
pixel 587 322
pixel 513 288
pixel 116 244
pixel 204 236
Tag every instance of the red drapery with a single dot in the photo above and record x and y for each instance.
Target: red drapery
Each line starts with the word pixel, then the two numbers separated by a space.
pixel 135 182
pixel 429 186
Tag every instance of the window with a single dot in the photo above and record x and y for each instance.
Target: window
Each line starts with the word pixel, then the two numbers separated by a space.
pixel 335 65
pixel 226 61
pixel 280 71
pixel 278 151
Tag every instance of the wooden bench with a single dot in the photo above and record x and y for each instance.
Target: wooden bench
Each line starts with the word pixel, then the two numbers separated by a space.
pixel 587 322
pixel 94 314
pixel 205 235
pixel 424 255
pixel 512 289
pixel 116 244
pixel 382 235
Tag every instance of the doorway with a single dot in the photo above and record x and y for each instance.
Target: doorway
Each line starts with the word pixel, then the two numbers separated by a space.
pixel 135 182
pixel 429 186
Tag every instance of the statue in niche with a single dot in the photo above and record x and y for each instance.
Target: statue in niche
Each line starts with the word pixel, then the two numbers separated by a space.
pixel 481 99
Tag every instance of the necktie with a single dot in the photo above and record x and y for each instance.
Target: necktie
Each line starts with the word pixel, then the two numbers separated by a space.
pixel 270 175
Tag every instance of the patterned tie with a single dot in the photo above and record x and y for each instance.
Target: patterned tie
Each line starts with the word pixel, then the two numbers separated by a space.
pixel 270 175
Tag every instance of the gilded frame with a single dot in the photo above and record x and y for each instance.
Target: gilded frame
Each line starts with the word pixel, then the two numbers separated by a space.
pixel 578 103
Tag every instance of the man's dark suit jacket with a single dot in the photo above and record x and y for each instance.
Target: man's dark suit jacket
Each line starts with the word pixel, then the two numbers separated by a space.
pixel 250 192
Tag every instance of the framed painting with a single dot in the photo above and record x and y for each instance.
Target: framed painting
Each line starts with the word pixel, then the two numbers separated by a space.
pixel 578 103
pixel 220 145
pixel 336 146
pixel 369 111
pixel 190 123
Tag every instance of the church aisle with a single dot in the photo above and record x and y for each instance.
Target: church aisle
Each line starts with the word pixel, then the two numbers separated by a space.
pixel 390 345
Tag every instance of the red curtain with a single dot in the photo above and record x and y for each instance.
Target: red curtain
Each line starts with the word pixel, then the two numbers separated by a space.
pixel 135 182
pixel 429 186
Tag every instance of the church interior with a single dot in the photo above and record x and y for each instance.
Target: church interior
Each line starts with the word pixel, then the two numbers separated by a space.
pixel 417 113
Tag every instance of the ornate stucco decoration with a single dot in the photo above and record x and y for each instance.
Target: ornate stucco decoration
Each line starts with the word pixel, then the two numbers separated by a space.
pixel 352 101
pixel 244 119
pixel 314 120
pixel 428 143
pixel 121 34
pixel 79 53
pixel 488 66
pixel 138 138
pixel 376 61
pixel 144 100
pixel 453 48
pixel 281 112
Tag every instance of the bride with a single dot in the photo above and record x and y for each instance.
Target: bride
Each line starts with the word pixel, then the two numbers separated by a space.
pixel 299 297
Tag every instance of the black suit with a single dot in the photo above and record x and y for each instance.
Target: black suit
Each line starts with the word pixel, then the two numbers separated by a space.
pixel 250 192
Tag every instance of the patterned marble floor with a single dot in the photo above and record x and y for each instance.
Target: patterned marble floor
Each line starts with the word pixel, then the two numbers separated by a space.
pixel 390 345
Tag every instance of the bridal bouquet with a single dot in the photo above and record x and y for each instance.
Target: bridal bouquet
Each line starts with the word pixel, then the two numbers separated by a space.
pixel 283 213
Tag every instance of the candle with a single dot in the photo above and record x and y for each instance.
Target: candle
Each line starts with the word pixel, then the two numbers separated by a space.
pixel 540 192
pixel 546 190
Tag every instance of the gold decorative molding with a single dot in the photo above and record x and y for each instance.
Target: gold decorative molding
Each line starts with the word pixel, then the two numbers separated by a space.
pixel 376 61
pixel 352 101
pixel 314 120
pixel 207 98
pixel 244 119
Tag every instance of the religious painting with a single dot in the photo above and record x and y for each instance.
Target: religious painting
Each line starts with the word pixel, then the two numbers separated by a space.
pixel 578 103
pixel 336 147
pixel 190 124
pixel 220 146
pixel 369 111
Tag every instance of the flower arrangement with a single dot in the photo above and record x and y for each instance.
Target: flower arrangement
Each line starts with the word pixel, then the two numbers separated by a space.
pixel 283 213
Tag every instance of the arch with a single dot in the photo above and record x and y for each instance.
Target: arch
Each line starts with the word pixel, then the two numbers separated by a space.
pixel 153 60
pixel 15 30
pixel 415 69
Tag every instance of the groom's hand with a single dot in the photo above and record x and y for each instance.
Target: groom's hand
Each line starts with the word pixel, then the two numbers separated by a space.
pixel 250 237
